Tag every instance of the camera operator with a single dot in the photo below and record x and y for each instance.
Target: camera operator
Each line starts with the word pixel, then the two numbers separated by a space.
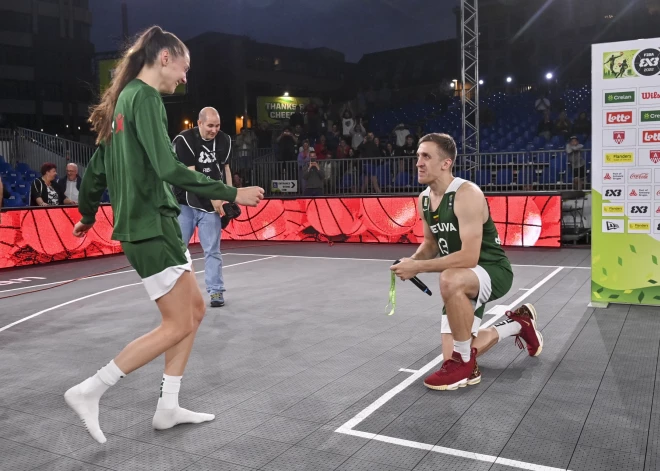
pixel 313 176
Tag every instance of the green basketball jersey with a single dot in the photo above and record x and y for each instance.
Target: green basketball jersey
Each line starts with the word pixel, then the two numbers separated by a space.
pixel 444 226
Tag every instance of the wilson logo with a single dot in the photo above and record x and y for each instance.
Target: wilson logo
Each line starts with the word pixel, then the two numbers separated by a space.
pixel 619 117
pixel 650 96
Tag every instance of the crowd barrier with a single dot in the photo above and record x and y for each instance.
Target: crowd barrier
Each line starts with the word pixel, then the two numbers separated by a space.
pixel 42 235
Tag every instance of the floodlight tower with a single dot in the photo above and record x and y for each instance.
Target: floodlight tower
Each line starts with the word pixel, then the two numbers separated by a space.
pixel 470 75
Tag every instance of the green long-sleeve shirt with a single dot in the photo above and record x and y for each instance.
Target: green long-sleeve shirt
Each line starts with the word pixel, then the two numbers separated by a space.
pixel 138 167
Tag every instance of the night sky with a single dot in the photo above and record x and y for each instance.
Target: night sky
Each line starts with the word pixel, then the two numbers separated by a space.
pixel 354 27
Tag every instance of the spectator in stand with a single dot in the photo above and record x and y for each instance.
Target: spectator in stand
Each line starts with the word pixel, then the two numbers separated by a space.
pixel 381 149
pixel 369 150
pixel 313 177
pixel 313 121
pixel 409 151
pixel 401 133
pixel 333 139
pixel 246 143
pixel 563 126
pixel 297 119
pixel 576 161
pixel 264 136
pixel 348 123
pixel 389 150
pixel 582 125
pixel 288 145
pixel 45 191
pixel 545 126
pixel 357 134
pixel 300 136
pixel 71 183
pixel 321 148
pixel 303 161
pixel 409 148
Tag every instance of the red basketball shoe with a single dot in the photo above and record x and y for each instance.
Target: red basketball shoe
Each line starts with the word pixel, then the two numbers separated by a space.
pixel 455 373
pixel 526 316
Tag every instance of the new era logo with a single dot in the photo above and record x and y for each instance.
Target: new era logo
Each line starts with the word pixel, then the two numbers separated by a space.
pixel 611 226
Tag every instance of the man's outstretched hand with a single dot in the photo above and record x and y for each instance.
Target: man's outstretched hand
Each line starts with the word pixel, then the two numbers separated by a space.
pixel 249 196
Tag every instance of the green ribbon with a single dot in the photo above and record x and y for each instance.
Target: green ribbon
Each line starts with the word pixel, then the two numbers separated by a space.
pixel 392 294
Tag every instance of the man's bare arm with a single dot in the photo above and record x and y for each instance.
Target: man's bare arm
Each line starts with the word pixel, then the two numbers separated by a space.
pixel 428 249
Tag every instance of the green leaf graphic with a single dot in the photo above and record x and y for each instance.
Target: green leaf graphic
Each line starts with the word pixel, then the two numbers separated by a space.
pixel 599 290
pixel 641 296
pixel 653 282
pixel 614 296
pixel 655 259
pixel 620 260
pixel 604 272
pixel 632 249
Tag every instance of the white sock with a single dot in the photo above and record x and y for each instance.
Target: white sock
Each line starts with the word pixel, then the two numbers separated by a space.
pixel 169 392
pixel 463 348
pixel 168 412
pixel 84 397
pixel 507 328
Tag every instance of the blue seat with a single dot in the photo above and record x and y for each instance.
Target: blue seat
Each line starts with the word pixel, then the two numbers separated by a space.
pixel 504 177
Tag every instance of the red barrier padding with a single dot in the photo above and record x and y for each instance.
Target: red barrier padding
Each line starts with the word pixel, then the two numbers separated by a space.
pixel 34 236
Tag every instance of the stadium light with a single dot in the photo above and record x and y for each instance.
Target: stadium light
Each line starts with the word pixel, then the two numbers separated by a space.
pixel 548 75
pixel 452 85
pixel 481 82
pixel 509 80
pixel 286 93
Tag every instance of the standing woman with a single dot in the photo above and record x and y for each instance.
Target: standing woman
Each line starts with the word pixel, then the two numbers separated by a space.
pixel 137 164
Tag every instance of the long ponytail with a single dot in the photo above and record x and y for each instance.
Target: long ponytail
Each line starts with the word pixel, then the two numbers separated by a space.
pixel 143 52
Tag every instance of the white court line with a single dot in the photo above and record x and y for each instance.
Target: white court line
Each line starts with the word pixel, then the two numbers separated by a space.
pixel 109 290
pixel 388 260
pixel 87 277
pixel 347 428
pixel 406 370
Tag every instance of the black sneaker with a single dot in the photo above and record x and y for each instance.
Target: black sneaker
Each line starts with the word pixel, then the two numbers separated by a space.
pixel 217 300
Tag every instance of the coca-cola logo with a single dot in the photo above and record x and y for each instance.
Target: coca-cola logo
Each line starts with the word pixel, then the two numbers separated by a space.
pixel 651 136
pixel 639 176
pixel 619 117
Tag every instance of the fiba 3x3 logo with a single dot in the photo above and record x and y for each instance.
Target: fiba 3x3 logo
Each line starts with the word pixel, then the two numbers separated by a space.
pixel 632 63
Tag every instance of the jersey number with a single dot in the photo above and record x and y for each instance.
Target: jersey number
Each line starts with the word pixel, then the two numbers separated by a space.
pixel 442 245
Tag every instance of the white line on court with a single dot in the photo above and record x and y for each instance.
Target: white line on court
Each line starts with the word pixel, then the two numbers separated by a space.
pixel 89 277
pixel 406 370
pixel 387 260
pixel 109 290
pixel 347 428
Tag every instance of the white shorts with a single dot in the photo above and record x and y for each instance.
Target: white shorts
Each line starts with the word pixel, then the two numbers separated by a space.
pixel 485 290
pixel 161 283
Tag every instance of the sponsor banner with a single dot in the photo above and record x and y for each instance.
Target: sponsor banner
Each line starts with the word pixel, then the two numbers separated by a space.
pixel 614 226
pixel 613 209
pixel 649 156
pixel 639 210
pixel 625 84
pixel 640 175
pixel 639 227
pixel 649 137
pixel 649 95
pixel 624 157
pixel 614 193
pixel 639 193
pixel 622 117
pixel 614 176
pixel 619 137
pixel 619 97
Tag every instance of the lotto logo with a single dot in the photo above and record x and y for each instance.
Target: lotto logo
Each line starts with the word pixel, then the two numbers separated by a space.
pixel 619 117
pixel 651 136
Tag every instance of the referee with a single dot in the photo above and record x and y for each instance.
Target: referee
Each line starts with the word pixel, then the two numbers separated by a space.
pixel 205 149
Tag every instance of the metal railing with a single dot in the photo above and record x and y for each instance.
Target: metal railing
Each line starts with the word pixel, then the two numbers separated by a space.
pixel 498 172
pixel 35 148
